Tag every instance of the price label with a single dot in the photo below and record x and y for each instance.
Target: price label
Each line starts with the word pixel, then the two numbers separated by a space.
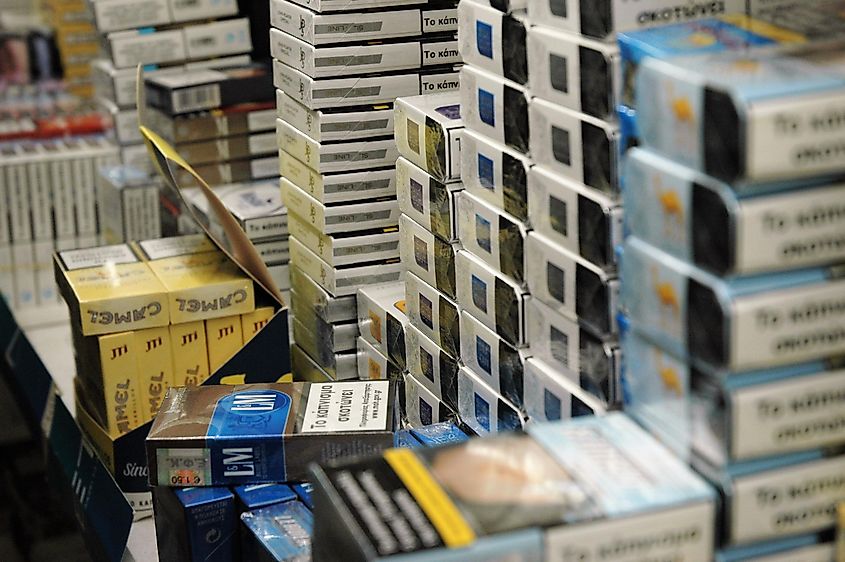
pixel 184 467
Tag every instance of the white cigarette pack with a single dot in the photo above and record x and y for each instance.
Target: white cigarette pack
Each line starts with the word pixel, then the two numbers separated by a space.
pixel 23 256
pixel 258 209
pixel 17 191
pixel 382 320
pixel 495 107
pixel 434 314
pixel 273 253
pixel 39 188
pixel 432 366
pixel 338 187
pixel 347 248
pixel 338 365
pixel 326 307
pixel 125 122
pixel 46 290
pixel 321 6
pixel 420 407
pixel 337 337
pixel 281 276
pixel 430 203
pixel 373 365
pixel 326 125
pixel 428 133
pixel 427 256
pixel 493 40
pixel 304 368
pixel 483 409
pixel 551 396
pixel 128 205
pixel 114 15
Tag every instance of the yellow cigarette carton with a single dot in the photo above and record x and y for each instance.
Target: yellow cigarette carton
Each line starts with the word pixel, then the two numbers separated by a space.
pixel 190 354
pixel 225 338
pixel 119 364
pixel 155 368
pixel 252 323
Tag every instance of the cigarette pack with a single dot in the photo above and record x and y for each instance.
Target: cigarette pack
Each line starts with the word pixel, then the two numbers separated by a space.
pixel 427 256
pixel 354 59
pixel 136 156
pixel 493 236
pixel 258 209
pixel 125 121
pixel 594 363
pixel 579 147
pixel 190 353
pixel 224 337
pixel 274 253
pixel 253 322
pixel 335 156
pixel 739 324
pixel 339 336
pixel 382 319
pixel 242 119
pixel 326 307
pixel 817 547
pixel 495 173
pixel 559 507
pixel 339 365
pixel 484 410
pixel 498 44
pixel 420 407
pixel 336 218
pixel 581 220
pixel 428 202
pixel 205 89
pixel 492 298
pixel 195 523
pixel 744 118
pixel 343 280
pixel 495 108
pixel 320 29
pixel 23 260
pixel 17 191
pixel 109 289
pixel 229 148
pixel 252 497
pixel 281 428
pixel 574 72
pixel 340 186
pixel 128 205
pixel 760 500
pixel 154 354
pixel 439 434
pixel 551 396
pixel 114 15
pixel 373 365
pixel 46 290
pixel 432 367
pixel 325 125
pixel 234 171
pixel 571 285
pixel 726 417
pixel 674 208
pixel 306 369
pixel 279 532
pixel 199 41
pixel 38 190
pixel 362 90
pixel 434 314
pixel 428 133
pixel 320 6
pixel 496 362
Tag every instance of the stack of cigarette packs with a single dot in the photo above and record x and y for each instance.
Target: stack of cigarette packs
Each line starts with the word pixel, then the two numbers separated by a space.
pixel 732 276
pixel 77 41
pixel 338 67
pixel 47 202
pixel 166 37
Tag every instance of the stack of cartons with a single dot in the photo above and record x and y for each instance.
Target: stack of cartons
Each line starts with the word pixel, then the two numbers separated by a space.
pixel 337 69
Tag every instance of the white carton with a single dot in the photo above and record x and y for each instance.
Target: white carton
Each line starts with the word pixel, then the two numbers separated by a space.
pixel 338 187
pixel 347 248
pixel 434 314
pixel 495 107
pixel 327 125
pixel 428 202
pixel 428 133
pixel 427 256
pixel 483 409
pixel 431 366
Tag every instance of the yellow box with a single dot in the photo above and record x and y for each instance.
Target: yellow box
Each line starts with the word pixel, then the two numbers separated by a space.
pixel 155 368
pixel 119 364
pixel 190 354
pixel 252 323
pixel 110 290
pixel 225 338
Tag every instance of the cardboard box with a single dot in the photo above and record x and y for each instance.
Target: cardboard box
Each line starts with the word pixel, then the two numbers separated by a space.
pixel 551 396
pixel 420 407
pixel 545 522
pixel 230 148
pixel 343 280
pixel 310 423
pixel 113 15
pixel 110 289
pixel 497 363
pixel 432 367
pixel 571 285
pixel 339 186
pixel 243 119
pixel 595 364
pixel 326 307
pixel 427 256
pixel 428 133
pixel 493 236
pixel 575 72
pixel 673 208
pixel 339 336
pixel 319 29
pixel 373 365
pixel 335 156
pixel 382 320
pixel 434 314
pixel 340 365
pixel 577 146
pixel 495 173
pixel 484 410
pixel 430 203
pixel 325 125
pixel 498 44
pixel 277 532
pixel 349 248
pixel 494 299
pixel 340 217
pixel 188 519
pixel 192 42
pixel 581 220
pixel 128 205
pixel 496 108
pixel 355 59
pixel 739 324
pixel 355 91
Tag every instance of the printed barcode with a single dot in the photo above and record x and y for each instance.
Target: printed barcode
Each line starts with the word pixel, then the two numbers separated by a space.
pixel 197 98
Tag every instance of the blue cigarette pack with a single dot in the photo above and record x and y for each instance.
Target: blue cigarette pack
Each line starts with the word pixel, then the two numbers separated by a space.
pixel 435 435
pixel 256 496
pixel 195 524
pixel 279 532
